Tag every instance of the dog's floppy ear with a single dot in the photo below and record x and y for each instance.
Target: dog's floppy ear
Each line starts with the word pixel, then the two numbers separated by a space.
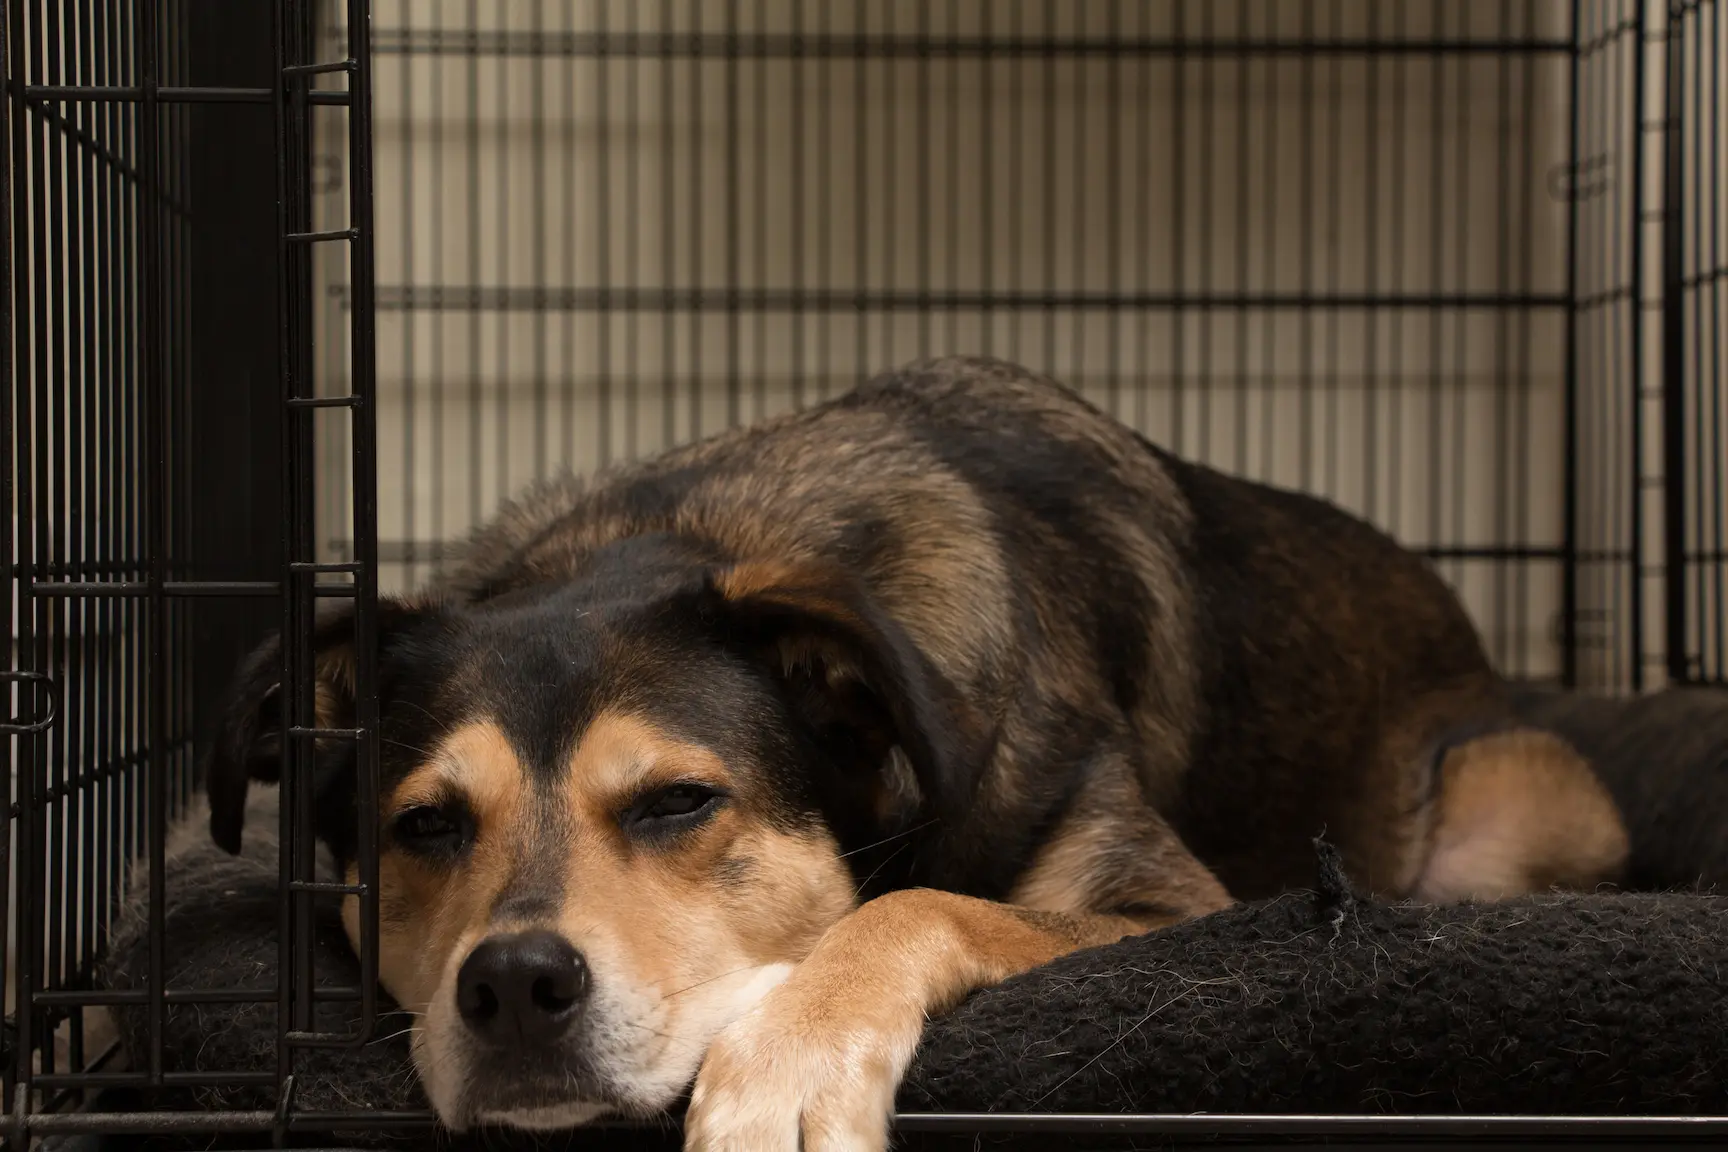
pixel 853 672
pixel 248 744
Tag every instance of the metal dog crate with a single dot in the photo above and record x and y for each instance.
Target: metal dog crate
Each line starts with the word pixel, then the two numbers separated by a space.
pixel 296 292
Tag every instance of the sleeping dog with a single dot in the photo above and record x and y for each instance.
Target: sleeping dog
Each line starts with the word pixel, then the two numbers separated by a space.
pixel 731 767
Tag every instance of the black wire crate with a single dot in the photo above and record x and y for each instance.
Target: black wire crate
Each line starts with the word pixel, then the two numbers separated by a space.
pixel 299 290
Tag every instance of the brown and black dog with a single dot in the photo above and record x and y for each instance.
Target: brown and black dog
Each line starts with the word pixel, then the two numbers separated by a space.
pixel 732 766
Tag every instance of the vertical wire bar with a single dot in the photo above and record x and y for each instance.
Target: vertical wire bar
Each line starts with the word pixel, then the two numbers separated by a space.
pixel 632 247
pixel 1334 244
pixel 668 233
pixel 799 84
pixel 437 378
pixel 1437 274
pixel 476 421
pixel 1635 574
pixel 50 530
pixel 1371 277
pixel 150 241
pixel 921 179
pixel 1113 213
pixel 825 229
pixel 1609 438
pixel 1395 243
pixel 603 241
pixel 86 475
pixel 1013 210
pixel 505 318
pixel 860 184
pixel 364 441
pixel 1178 242
pixel 1673 304
pixel 292 644
pixel 1244 268
pixel 108 340
pixel 1502 359
pixel 1269 222
pixel 1208 98
pixel 794 154
pixel 734 219
pixel 954 73
pixel 1078 184
pixel 130 452
pixel 1305 230
pixel 410 529
pixel 1051 166
pixel 102 335
pixel 541 385
pixel 26 165
pixel 890 188
pixel 1461 317
pixel 570 217
pixel 10 292
pixel 1692 545
pixel 697 203
pixel 1718 269
pixel 1526 377
pixel 1569 368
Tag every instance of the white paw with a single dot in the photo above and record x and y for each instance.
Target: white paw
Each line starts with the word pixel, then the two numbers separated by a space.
pixel 803 1072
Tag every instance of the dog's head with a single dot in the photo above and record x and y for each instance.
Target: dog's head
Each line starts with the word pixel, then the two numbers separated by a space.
pixel 613 813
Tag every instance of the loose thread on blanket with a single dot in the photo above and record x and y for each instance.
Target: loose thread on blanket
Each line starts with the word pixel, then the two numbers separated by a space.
pixel 1332 895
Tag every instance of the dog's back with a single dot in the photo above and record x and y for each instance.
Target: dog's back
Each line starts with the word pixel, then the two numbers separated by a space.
pixel 1133 631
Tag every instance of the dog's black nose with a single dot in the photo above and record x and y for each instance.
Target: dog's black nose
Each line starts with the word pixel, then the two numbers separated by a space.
pixel 525 987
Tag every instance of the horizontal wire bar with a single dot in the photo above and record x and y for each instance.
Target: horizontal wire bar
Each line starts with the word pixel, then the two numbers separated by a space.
pixel 327 733
pixel 320 237
pixel 121 94
pixel 174 589
pixel 334 886
pixel 349 401
pixel 774 46
pixel 467 298
pixel 109 997
pixel 319 69
pixel 143 1080
pixel 407 551
pixel 1700 1128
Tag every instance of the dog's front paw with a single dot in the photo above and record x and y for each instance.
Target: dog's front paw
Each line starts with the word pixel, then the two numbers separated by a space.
pixel 805 1069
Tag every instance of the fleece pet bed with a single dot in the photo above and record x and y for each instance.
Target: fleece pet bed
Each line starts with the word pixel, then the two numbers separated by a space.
pixel 1318 1002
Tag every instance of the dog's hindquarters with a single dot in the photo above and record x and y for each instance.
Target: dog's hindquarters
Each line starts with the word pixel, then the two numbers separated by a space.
pixel 1339 673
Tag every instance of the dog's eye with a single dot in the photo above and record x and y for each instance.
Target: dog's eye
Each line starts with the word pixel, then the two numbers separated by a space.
pixel 674 808
pixel 429 829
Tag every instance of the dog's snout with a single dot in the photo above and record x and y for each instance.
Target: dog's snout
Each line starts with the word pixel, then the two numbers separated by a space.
pixel 523 987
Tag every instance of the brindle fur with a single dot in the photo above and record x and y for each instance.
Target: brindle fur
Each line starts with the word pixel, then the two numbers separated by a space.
pixel 1005 649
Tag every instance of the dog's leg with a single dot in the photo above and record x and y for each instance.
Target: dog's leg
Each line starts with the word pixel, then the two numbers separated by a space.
pixel 1520 812
pixel 816 1064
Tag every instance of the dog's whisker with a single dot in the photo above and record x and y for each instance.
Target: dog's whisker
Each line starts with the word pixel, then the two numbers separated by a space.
pixel 890 839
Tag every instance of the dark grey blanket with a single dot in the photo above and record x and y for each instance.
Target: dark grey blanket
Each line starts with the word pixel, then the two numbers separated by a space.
pixel 1315 1002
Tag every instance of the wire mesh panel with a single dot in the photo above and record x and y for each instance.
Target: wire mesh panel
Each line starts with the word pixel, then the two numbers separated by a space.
pixel 1322 244
pixel 1695 427
pixel 127 178
pixel 97 403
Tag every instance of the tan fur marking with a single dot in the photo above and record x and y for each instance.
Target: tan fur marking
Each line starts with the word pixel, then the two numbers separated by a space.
pixel 1120 856
pixel 425 911
pixel 1520 812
